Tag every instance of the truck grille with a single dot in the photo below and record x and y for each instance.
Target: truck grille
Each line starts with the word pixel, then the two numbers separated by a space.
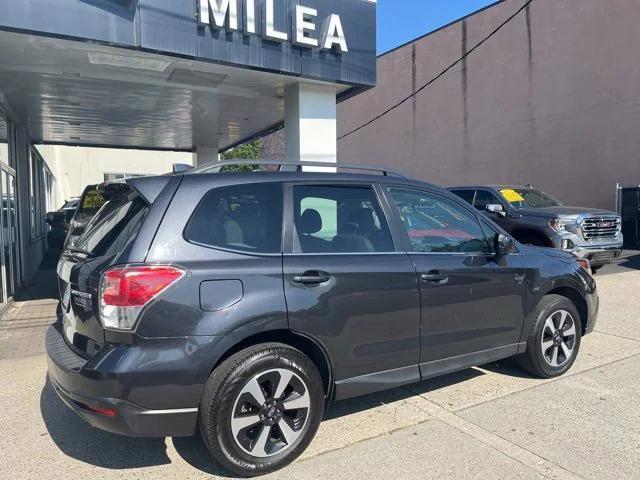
pixel 595 228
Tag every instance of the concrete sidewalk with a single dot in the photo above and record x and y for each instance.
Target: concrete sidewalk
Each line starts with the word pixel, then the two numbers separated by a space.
pixel 488 422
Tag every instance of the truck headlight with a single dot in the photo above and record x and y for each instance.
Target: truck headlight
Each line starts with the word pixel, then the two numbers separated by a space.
pixel 562 225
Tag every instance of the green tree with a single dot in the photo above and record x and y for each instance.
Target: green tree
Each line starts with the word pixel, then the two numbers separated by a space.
pixel 247 151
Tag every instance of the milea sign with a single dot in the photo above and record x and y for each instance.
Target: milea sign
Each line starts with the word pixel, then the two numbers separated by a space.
pixel 307 30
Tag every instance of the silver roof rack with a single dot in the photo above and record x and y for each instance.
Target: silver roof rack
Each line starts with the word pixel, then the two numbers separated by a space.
pixel 218 166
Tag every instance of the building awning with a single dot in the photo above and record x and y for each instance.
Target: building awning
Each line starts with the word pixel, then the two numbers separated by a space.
pixel 82 93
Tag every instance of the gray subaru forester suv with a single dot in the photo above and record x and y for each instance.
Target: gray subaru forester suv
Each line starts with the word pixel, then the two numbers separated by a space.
pixel 239 304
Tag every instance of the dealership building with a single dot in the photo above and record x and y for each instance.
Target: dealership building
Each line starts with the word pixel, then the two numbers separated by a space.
pixel 194 76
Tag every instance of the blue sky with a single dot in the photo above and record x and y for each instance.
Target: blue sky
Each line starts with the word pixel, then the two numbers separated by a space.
pixel 400 21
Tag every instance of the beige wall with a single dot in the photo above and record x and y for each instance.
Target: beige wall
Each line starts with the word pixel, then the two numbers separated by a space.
pixel 76 167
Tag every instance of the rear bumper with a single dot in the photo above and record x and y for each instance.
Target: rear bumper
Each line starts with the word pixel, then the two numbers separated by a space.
pixel 129 419
pixel 131 390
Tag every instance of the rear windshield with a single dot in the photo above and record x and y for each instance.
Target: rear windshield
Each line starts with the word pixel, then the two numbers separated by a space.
pixel 114 225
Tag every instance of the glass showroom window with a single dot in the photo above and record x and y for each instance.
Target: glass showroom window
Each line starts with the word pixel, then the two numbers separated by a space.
pixel 4 140
pixel 37 193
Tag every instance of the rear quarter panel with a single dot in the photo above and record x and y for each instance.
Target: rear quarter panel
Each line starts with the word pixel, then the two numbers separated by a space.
pixel 179 312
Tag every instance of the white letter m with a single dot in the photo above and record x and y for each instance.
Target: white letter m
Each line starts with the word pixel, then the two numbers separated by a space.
pixel 220 10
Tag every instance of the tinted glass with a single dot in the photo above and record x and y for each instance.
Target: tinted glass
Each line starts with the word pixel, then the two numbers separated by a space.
pixel 436 224
pixel 484 198
pixel 70 204
pixel 491 233
pixel 528 198
pixel 336 219
pixel 92 201
pixel 466 195
pixel 243 217
pixel 113 225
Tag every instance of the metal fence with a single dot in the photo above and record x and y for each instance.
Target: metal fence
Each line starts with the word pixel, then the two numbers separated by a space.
pixel 628 204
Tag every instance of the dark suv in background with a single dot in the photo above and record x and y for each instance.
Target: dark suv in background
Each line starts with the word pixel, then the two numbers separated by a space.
pixel 535 218
pixel 239 304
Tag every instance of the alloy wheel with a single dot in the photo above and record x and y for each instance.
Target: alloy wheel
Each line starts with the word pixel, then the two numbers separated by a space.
pixel 270 413
pixel 558 338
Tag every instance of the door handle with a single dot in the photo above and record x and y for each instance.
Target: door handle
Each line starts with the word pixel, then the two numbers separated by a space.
pixel 435 278
pixel 312 278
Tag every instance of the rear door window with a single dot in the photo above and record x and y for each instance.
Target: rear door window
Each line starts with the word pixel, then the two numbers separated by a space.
pixel 339 219
pixel 466 195
pixel 116 222
pixel 484 198
pixel 247 218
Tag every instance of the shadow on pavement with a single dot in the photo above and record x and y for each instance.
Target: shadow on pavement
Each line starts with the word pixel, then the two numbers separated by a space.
pixel 45 284
pixel 355 405
pixel 195 453
pixel 630 260
pixel 78 440
pixel 509 367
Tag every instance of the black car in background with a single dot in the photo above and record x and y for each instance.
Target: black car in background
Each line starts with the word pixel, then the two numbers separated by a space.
pixel 240 304
pixel 534 217
pixel 58 222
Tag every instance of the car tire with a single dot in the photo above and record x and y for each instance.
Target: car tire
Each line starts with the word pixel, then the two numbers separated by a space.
pixel 253 436
pixel 554 337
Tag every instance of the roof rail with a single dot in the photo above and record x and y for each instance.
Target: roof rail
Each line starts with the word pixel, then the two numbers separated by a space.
pixel 218 166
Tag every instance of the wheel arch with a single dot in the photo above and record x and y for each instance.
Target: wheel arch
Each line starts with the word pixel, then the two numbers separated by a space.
pixel 576 298
pixel 307 345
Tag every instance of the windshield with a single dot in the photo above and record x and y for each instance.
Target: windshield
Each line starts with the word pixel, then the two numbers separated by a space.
pixel 528 198
pixel 92 201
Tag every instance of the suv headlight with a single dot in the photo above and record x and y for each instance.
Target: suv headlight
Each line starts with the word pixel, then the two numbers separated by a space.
pixel 563 225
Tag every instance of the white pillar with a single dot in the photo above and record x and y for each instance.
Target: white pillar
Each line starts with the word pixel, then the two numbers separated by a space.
pixel 310 124
pixel 205 155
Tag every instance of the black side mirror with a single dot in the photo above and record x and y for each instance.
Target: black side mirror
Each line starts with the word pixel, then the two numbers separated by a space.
pixel 504 244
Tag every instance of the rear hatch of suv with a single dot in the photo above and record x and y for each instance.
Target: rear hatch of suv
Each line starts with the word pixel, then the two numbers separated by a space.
pixel 82 264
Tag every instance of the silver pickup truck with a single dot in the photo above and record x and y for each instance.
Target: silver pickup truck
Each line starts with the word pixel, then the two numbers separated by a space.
pixel 535 218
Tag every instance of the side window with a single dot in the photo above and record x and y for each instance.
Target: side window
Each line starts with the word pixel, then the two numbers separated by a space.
pixel 466 195
pixel 337 219
pixel 436 224
pixel 242 217
pixel 484 198
pixel 491 233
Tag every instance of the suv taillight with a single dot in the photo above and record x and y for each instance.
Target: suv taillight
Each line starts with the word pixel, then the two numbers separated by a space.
pixel 126 290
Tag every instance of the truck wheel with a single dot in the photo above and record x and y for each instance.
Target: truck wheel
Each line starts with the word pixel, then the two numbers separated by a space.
pixel 261 408
pixel 554 338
